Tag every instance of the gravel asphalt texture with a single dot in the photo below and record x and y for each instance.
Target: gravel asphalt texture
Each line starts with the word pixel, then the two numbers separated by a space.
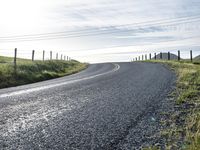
pixel 106 106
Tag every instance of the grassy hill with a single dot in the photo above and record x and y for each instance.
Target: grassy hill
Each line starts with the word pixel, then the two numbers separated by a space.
pixel 30 72
pixel 197 57
pixel 165 56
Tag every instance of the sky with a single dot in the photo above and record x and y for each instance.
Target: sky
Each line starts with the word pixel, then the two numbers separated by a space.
pixel 99 30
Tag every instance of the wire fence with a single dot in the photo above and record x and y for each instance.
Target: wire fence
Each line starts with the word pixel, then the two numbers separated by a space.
pixel 30 56
pixel 33 55
pixel 43 55
pixel 170 55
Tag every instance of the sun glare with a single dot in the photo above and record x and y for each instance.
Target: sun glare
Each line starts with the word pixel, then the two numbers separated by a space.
pixel 21 16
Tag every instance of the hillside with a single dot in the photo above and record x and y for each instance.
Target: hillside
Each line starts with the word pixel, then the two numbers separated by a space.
pixel 165 56
pixel 30 72
pixel 197 57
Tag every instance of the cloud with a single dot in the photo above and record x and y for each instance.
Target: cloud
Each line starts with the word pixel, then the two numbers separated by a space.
pixel 102 23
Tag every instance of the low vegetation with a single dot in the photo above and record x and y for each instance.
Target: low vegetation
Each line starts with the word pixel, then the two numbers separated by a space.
pixel 184 129
pixel 30 72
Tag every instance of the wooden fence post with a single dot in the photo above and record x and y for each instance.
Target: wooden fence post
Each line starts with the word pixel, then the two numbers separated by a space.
pixel 160 55
pixel 56 56
pixel 179 57
pixel 61 56
pixel 33 53
pixel 15 61
pixel 191 58
pixel 142 57
pixel 50 55
pixel 43 55
pixel 155 56
pixel 150 56
pixel 145 56
pixel 64 57
pixel 168 55
pixel 139 58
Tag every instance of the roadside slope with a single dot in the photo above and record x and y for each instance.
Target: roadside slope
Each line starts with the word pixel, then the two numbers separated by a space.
pixel 30 72
pixel 184 123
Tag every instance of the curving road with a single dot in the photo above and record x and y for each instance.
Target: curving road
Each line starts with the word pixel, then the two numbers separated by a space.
pixel 106 106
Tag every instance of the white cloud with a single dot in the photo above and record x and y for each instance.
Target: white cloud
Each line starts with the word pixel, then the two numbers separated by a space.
pixel 19 17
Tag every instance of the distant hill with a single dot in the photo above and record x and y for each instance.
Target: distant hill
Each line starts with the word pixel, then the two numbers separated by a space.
pixel 165 56
pixel 197 57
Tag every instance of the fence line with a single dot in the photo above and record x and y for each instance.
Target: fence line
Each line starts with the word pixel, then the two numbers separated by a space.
pixel 14 62
pixel 168 55
pixel 32 54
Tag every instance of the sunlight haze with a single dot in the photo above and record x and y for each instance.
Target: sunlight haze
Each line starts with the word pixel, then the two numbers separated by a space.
pixel 100 30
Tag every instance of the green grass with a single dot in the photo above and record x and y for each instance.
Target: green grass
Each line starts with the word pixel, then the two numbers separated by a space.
pixel 185 122
pixel 30 72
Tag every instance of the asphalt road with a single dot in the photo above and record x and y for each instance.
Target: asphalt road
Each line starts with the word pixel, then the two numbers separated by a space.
pixel 107 106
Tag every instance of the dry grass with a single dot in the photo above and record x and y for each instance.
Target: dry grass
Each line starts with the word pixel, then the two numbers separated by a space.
pixel 184 131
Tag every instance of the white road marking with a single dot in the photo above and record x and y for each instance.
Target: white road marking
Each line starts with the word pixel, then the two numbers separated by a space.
pixel 117 67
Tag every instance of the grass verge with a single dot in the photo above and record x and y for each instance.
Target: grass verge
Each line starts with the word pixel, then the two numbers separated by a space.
pixel 184 129
pixel 30 72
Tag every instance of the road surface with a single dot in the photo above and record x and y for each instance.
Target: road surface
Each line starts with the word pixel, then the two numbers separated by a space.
pixel 106 106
